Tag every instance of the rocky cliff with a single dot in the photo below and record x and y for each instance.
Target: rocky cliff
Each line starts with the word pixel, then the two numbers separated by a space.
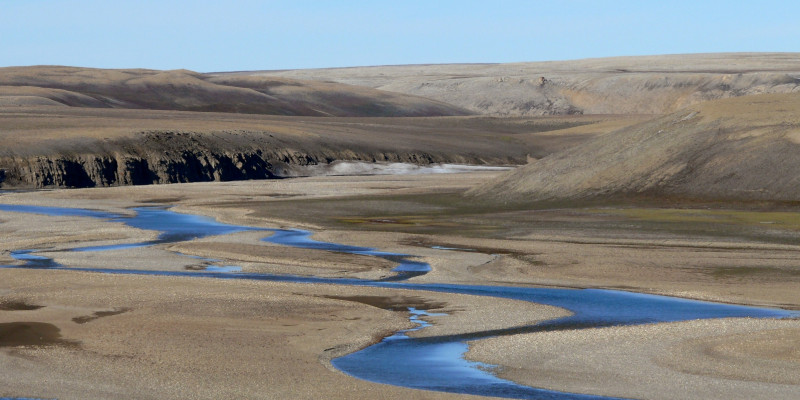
pixel 174 157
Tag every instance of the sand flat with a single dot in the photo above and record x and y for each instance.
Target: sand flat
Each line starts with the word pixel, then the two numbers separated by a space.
pixel 707 359
pixel 199 338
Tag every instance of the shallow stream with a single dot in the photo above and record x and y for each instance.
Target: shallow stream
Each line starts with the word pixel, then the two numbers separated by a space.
pixel 431 363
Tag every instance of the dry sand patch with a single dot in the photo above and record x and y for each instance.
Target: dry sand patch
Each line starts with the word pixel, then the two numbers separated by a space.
pixel 663 361
pixel 201 338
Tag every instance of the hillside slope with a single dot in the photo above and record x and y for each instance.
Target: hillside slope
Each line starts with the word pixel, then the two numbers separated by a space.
pixel 744 148
pixel 184 90
pixel 618 85
pixel 46 146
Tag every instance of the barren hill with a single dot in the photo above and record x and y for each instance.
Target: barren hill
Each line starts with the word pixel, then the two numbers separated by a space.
pixel 191 91
pixel 83 147
pixel 619 85
pixel 744 148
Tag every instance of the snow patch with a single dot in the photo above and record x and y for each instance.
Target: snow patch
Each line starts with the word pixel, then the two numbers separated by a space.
pixel 339 168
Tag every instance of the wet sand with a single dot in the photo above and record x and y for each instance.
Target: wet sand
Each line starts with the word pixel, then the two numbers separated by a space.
pixel 205 338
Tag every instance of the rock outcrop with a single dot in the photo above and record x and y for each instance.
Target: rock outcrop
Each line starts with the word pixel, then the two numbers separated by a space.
pixel 126 169
pixel 176 157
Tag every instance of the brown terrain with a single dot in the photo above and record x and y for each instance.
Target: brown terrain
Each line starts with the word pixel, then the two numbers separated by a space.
pixel 88 147
pixel 734 149
pixel 164 337
pixel 184 90
pixel 617 85
pixel 695 200
pixel 80 127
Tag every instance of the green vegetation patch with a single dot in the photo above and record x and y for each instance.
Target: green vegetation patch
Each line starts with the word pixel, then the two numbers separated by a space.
pixel 776 219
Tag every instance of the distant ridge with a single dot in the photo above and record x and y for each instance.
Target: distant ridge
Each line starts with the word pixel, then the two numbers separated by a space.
pixel 616 85
pixel 184 90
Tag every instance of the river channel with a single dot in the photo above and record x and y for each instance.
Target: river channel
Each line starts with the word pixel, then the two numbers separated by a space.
pixel 431 363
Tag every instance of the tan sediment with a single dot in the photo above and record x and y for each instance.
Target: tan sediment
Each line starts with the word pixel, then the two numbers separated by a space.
pixel 33 231
pixel 734 272
pixel 249 251
pixel 458 314
pixel 467 314
pixel 5 257
pixel 706 359
pixel 200 338
pixel 233 201
pixel 740 272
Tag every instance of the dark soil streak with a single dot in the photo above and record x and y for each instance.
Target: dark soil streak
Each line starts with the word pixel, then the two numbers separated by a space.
pixel 393 303
pixel 16 334
pixel 99 314
pixel 17 305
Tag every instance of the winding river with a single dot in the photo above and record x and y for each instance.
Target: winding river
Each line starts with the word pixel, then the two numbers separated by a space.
pixel 431 363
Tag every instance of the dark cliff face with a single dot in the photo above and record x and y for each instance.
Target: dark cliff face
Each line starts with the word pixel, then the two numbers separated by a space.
pixel 170 157
pixel 113 170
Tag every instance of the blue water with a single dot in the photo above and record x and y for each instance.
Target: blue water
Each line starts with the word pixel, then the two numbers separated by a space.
pixel 174 227
pixel 299 238
pixel 177 227
pixel 433 363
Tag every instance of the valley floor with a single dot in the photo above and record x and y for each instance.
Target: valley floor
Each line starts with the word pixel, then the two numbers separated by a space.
pixel 112 336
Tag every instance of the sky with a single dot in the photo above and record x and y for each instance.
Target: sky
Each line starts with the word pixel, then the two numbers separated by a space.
pixel 209 36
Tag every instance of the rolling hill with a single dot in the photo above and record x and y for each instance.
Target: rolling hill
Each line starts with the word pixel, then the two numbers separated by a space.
pixel 743 148
pixel 617 85
pixel 47 146
pixel 183 90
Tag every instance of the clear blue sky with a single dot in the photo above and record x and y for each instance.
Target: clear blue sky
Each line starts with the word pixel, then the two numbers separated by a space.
pixel 245 35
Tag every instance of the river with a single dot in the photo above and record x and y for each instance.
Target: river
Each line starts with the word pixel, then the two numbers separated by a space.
pixel 431 363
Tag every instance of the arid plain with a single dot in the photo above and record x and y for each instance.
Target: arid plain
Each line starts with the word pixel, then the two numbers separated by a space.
pixel 646 218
